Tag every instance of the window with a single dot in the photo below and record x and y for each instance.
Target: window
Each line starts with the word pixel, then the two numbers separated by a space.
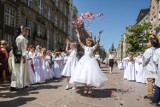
pixel 49 14
pixel 57 3
pixel 56 20
pixel 10 16
pixel 60 23
pixel 40 31
pixel 47 39
pixel 28 31
pixel 8 38
pixel 27 22
pixel 52 15
pixel 40 7
pixel 65 27
pixel 29 3
pixel 65 11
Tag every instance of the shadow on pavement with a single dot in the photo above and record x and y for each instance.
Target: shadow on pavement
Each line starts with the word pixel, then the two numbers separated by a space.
pixel 33 89
pixel 41 87
pixel 97 93
pixel 16 102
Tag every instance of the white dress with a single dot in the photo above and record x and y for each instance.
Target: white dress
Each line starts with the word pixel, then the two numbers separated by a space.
pixel 69 68
pixel 20 70
pixel 125 63
pixel 29 56
pixel 39 75
pixel 57 65
pixel 120 65
pixel 88 71
pixel 49 67
pixel 139 68
pixel 131 70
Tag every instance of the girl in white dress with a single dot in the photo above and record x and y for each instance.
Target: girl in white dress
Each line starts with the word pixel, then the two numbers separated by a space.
pixel 139 67
pixel 87 70
pixel 44 61
pixel 39 75
pixel 69 68
pixel 29 56
pixel 131 68
pixel 57 69
pixel 125 63
pixel 49 63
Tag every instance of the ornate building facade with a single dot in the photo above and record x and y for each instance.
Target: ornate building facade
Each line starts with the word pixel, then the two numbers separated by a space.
pixel 46 21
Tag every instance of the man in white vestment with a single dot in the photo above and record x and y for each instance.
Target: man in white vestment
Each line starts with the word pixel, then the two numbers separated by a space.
pixel 20 74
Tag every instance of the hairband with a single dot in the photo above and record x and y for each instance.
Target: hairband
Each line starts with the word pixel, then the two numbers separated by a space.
pixel 21 28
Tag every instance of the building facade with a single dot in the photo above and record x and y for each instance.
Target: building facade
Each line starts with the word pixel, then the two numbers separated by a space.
pixel 73 13
pixel 143 16
pixel 9 22
pixel 46 21
pixel 155 16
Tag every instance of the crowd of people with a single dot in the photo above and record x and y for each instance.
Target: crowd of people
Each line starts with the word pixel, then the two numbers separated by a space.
pixel 144 67
pixel 30 65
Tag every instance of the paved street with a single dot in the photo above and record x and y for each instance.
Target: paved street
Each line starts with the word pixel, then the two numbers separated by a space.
pixel 115 93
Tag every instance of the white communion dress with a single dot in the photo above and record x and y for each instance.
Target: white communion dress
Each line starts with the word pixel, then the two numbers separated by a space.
pixel 70 64
pixel 87 70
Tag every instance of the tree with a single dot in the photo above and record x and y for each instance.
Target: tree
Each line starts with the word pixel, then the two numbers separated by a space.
pixel 136 36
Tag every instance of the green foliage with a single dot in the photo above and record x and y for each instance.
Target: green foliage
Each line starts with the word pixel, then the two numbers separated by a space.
pixel 136 37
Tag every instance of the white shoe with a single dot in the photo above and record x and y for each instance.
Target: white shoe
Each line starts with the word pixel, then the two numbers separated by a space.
pixel 85 92
pixel 90 92
pixel 67 87
pixel 73 88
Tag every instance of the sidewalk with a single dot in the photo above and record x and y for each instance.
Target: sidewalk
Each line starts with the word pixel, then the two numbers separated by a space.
pixel 115 93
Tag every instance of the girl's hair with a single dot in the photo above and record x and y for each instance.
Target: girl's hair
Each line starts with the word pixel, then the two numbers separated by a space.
pixel 44 50
pixel 154 42
pixel 153 34
pixel 3 42
pixel 91 40
pixel 72 43
pixel 30 46
pixel 131 54
pixel 56 54
pixel 56 50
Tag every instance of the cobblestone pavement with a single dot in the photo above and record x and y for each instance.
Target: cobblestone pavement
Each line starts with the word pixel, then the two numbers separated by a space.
pixel 116 92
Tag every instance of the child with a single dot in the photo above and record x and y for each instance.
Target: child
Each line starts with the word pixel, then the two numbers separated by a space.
pixel 37 59
pixel 139 67
pixel 71 62
pixel 87 70
pixel 29 56
pixel 149 67
pixel 131 68
pixel 125 63
pixel 57 69
pixel 156 61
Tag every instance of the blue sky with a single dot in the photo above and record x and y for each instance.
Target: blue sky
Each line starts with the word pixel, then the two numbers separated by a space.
pixel 117 15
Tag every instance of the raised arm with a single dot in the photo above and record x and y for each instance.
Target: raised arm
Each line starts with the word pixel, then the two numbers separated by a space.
pixel 79 39
pixel 67 45
pixel 97 44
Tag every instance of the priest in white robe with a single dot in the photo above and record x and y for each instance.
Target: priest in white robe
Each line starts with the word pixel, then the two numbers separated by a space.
pixel 20 72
